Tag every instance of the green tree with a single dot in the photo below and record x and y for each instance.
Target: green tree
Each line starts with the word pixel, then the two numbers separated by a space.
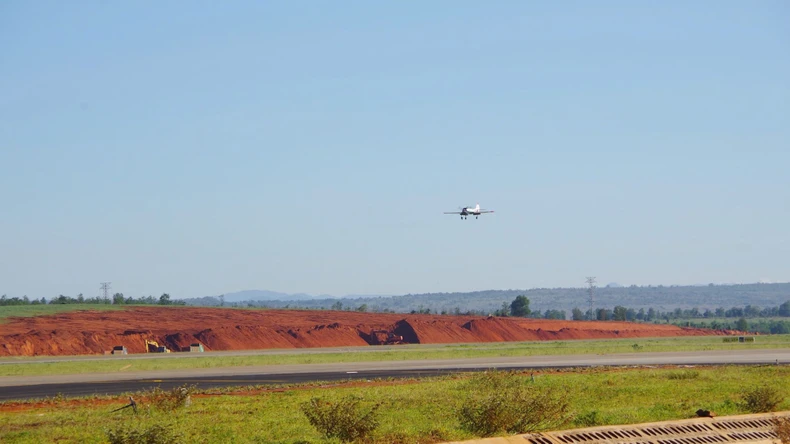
pixel 620 313
pixel 337 306
pixel 61 299
pixel 164 299
pixel 363 308
pixel 751 311
pixel 741 325
pixel 520 307
pixel 503 311
pixel 577 314
pixel 117 298
pixel 784 309
pixel 554 314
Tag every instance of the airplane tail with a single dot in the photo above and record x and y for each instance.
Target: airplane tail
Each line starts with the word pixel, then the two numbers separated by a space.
pixel 477 208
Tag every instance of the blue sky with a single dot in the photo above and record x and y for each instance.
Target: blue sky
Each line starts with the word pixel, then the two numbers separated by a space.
pixel 203 148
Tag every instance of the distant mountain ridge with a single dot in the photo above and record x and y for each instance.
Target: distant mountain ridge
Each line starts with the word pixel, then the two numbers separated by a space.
pixel 268 295
pixel 660 297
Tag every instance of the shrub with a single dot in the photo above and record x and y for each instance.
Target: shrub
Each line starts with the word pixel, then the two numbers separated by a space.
pixel 589 419
pixel 343 419
pixel 157 434
pixel 684 374
pixel 782 429
pixel 169 400
pixel 429 437
pixel 499 402
pixel 761 399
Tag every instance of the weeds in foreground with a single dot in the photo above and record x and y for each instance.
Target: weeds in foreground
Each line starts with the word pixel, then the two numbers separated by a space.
pixel 589 419
pixel 157 434
pixel 782 429
pixel 503 402
pixel 683 374
pixel 761 399
pixel 344 419
pixel 422 412
pixel 170 400
pixel 430 437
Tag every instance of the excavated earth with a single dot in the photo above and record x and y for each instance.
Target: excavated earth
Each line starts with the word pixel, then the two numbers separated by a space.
pixel 97 332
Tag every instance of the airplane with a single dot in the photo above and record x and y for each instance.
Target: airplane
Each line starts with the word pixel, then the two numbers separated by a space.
pixel 466 211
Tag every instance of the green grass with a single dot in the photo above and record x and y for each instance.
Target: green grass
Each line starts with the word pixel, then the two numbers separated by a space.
pixel 8 311
pixel 416 412
pixel 110 364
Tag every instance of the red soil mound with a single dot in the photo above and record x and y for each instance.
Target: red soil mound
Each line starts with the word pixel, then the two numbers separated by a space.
pixel 90 332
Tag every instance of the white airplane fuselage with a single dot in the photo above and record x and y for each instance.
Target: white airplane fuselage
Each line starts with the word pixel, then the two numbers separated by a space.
pixel 467 211
pixel 473 211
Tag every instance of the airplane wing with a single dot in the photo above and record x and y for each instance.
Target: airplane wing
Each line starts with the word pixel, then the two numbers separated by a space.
pixel 486 211
pixel 452 212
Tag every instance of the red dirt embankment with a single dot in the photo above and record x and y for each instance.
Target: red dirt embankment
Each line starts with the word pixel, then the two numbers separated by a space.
pixel 91 332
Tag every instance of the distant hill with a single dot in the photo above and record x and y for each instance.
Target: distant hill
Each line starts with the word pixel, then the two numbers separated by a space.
pixel 267 295
pixel 663 298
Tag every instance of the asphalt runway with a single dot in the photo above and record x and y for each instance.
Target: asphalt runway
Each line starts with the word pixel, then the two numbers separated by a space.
pixel 28 387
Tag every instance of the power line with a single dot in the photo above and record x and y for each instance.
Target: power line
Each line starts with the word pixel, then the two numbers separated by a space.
pixel 591 283
pixel 105 287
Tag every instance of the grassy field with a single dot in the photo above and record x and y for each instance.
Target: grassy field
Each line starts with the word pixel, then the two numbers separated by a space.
pixel 8 311
pixel 110 364
pixel 412 411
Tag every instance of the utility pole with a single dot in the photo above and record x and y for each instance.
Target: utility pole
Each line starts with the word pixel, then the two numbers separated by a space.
pixel 591 283
pixel 105 287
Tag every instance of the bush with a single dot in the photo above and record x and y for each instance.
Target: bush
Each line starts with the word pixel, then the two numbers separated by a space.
pixel 343 419
pixel 429 437
pixel 761 399
pixel 157 434
pixel 683 374
pixel 503 402
pixel 782 429
pixel 169 400
pixel 589 419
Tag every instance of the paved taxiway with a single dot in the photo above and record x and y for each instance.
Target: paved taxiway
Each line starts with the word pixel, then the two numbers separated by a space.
pixel 23 387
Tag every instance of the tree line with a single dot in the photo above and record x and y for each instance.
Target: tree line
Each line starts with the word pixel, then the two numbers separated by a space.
pixel 620 313
pixel 553 300
pixel 760 325
pixel 519 307
pixel 117 299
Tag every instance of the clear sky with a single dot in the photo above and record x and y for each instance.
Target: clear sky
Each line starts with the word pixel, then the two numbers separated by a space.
pixel 200 148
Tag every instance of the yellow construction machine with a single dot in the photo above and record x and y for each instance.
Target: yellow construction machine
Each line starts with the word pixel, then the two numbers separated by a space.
pixel 154 347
